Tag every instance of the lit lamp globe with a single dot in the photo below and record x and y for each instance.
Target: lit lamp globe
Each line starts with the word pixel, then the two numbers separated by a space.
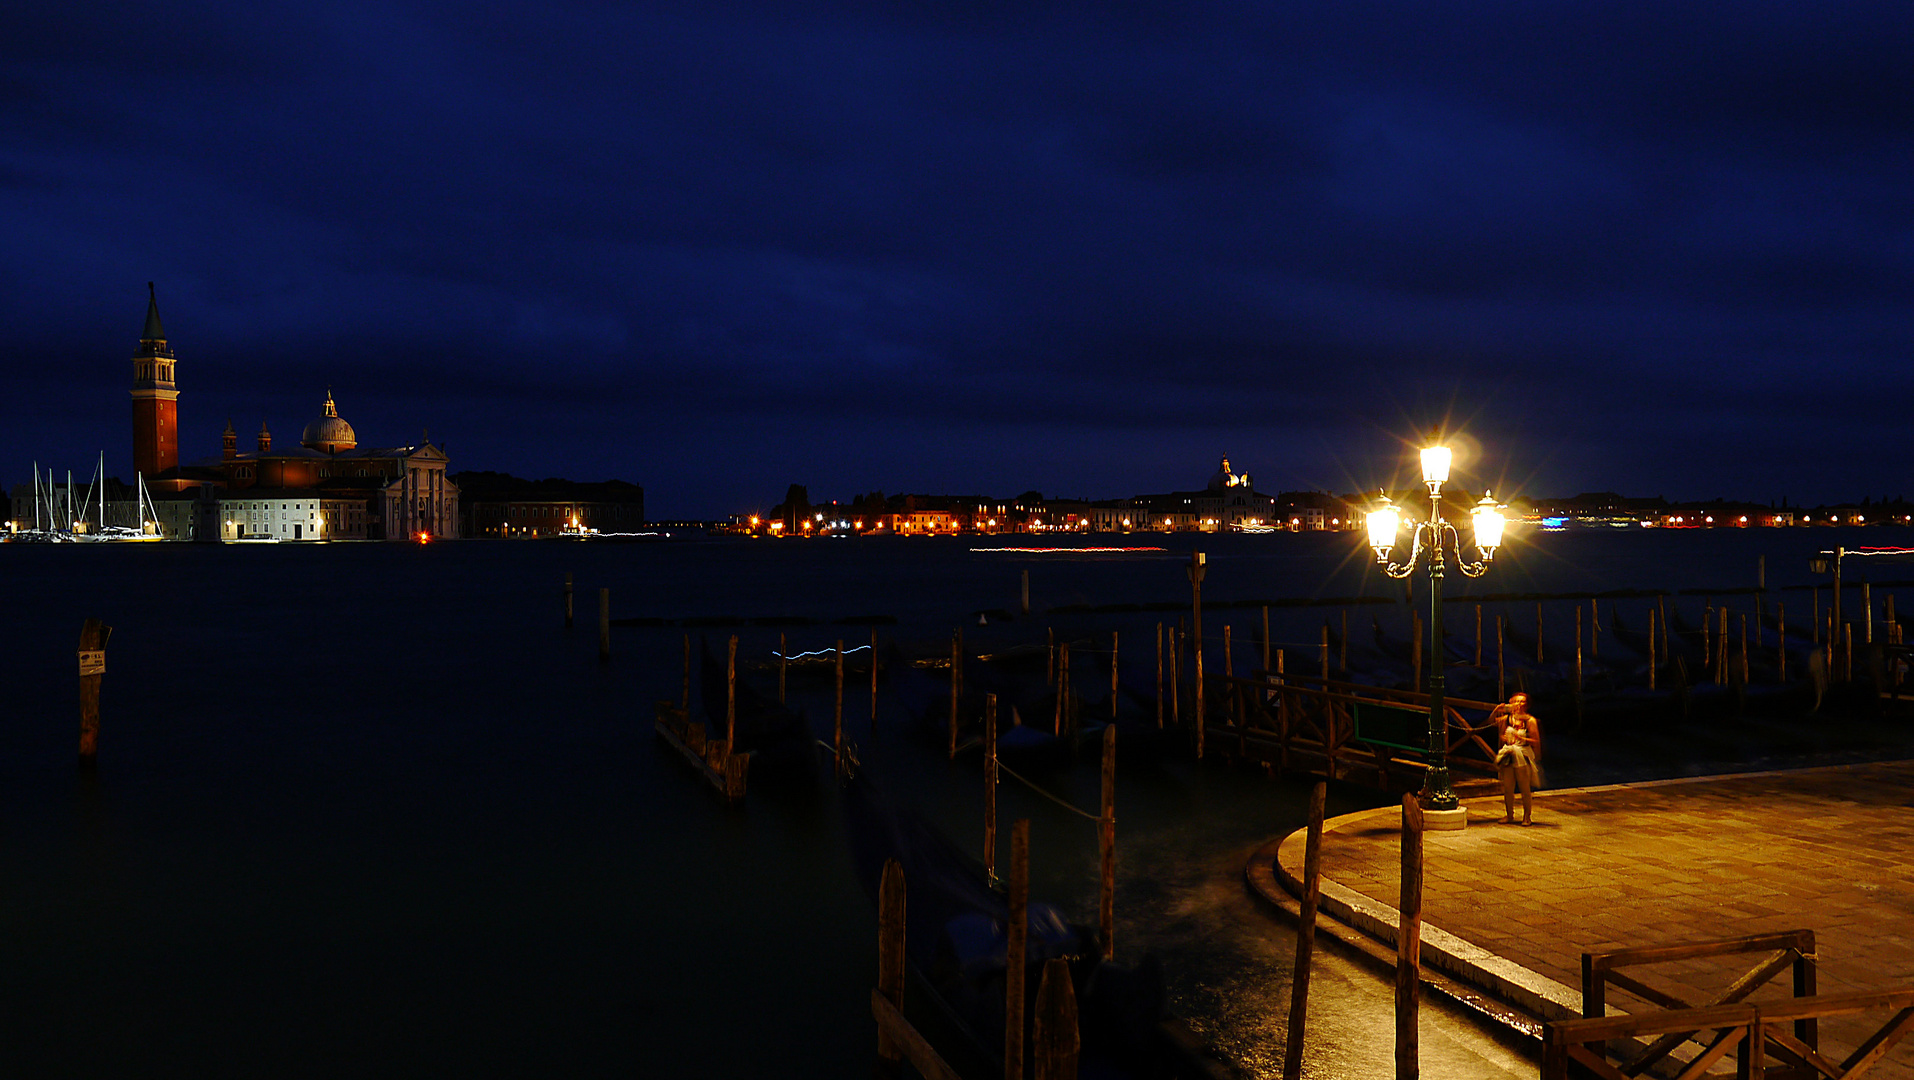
pixel 1383 523
pixel 1488 525
pixel 1435 466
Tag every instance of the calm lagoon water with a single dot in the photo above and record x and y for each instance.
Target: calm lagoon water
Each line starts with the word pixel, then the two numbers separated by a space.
pixel 368 810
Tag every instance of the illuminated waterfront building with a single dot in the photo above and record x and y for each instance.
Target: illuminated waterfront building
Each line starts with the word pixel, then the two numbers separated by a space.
pixel 325 487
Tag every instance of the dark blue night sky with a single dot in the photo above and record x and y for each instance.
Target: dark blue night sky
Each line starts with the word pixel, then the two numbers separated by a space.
pixel 1662 248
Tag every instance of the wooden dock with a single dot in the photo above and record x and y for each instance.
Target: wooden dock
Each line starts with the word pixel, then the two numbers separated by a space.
pixel 712 758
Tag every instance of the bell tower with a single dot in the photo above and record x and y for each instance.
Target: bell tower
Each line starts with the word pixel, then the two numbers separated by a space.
pixel 155 401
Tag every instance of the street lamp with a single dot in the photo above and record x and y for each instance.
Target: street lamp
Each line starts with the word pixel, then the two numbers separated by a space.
pixel 1437 538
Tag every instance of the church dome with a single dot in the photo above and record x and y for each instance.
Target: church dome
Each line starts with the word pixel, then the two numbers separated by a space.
pixel 329 434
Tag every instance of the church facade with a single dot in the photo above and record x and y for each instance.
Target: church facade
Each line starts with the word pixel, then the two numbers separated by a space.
pixel 325 487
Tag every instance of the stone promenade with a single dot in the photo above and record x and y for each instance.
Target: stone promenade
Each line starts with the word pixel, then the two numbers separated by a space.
pixel 1511 909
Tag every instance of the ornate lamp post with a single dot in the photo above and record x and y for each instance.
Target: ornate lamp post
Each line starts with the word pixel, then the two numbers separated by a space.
pixel 1438 539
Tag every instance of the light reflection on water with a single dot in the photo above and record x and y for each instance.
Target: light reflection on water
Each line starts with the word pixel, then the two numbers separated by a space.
pixel 367 809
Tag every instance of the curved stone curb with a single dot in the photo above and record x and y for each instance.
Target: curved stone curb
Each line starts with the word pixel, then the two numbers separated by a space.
pixel 1260 874
pixel 1534 994
pixel 1275 873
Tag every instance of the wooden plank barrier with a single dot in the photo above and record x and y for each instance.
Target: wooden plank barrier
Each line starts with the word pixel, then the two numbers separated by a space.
pixel 1600 971
pixel 1754 1031
pixel 1296 721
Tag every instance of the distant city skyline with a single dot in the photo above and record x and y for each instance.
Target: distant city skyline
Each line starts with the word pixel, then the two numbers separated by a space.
pixel 714 250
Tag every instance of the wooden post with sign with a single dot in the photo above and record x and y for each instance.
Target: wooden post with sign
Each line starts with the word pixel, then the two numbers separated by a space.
pixel 93 636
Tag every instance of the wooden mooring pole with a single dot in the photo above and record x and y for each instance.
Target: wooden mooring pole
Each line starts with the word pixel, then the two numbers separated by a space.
pixel 1113 676
pixel 1501 674
pixel 731 697
pixel 1578 648
pixel 1198 567
pixel 1159 675
pixel 1056 1040
pixel 1325 650
pixel 890 954
pixel 873 684
pixel 954 646
pixel 897 1040
pixel 1176 676
pixel 568 601
pixel 990 787
pixel 1409 945
pixel 92 657
pixel 1652 655
pixel 1107 846
pixel 837 714
pixel 1229 673
pixel 1025 606
pixel 1305 935
pixel 784 653
pixel 1015 932
pixel 1781 638
pixel 1661 607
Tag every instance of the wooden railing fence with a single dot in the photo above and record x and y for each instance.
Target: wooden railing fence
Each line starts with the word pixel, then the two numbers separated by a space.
pixel 1792 949
pixel 1786 1031
pixel 1308 723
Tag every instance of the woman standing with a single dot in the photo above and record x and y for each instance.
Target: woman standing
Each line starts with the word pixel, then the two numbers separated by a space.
pixel 1519 761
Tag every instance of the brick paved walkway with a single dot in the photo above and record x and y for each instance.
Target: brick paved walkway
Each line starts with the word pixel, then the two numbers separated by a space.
pixel 1830 850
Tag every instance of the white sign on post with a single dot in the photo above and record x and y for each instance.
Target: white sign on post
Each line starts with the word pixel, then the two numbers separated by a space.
pixel 92 662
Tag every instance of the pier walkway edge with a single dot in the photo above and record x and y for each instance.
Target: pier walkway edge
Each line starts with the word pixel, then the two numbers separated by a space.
pixel 1786 849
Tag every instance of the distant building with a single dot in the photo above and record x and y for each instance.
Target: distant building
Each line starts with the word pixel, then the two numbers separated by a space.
pixel 1228 501
pixel 328 487
pixel 504 507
